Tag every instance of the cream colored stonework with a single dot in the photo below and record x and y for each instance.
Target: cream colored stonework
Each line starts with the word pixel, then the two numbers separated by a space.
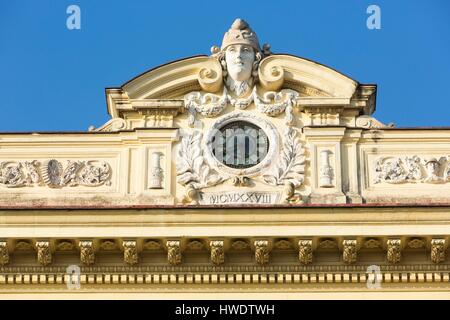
pixel 145 208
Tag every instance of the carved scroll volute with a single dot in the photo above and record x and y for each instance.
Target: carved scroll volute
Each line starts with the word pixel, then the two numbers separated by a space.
pixel 271 75
pixel 210 77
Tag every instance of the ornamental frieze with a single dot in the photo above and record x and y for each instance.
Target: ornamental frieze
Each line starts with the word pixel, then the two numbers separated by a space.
pixel 52 173
pixel 412 169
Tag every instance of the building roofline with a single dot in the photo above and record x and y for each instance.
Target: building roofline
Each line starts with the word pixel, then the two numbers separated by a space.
pixel 233 206
pixel 165 128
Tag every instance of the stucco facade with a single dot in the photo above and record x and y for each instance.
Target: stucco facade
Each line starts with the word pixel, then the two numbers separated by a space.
pixel 242 174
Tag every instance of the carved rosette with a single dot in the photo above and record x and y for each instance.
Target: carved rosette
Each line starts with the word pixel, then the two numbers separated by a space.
pixel 349 253
pixel 217 252
pixel 262 252
pixel 4 253
pixel 44 256
pixel 87 254
pixel 173 252
pixel 437 250
pixel 394 251
pixel 305 251
pixel 130 254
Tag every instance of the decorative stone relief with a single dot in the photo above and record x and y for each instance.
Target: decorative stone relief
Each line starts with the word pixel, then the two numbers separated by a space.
pixel 412 170
pixel 4 253
pixel 349 253
pixel 291 164
pixel 438 250
pixel 208 105
pixel 19 174
pixel 305 251
pixel 372 244
pixel 267 127
pixel 239 57
pixel 275 103
pixel 113 125
pixel 87 254
pixel 283 244
pixel 192 196
pixel 416 243
pixel 241 181
pixel 23 245
pixel 217 252
pixel 433 168
pixel 152 245
pixel 326 171
pixel 26 174
pixel 156 173
pixel 195 245
pixel 173 252
pixel 369 122
pixel 394 251
pixel 192 169
pixel 239 245
pixel 130 254
pixel 272 104
pixel 65 245
pixel 44 256
pixel 328 244
pixel 262 251
pixel 390 171
pixel 289 195
pixel 108 245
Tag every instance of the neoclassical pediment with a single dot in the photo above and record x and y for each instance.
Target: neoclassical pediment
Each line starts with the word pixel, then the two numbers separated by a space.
pixel 162 89
pixel 177 78
pixel 237 75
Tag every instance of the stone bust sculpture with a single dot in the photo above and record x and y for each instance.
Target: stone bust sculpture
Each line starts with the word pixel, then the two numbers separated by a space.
pixel 239 56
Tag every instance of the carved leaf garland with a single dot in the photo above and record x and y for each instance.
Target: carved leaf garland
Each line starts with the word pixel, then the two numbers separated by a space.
pixel 291 165
pixel 274 103
pixel 208 104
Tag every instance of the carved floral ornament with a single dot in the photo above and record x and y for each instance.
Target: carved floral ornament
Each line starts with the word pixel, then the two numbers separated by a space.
pixel 412 169
pixel 198 167
pixel 52 173
pixel 234 71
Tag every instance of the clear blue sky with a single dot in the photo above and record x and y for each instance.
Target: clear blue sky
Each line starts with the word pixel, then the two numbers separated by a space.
pixel 53 78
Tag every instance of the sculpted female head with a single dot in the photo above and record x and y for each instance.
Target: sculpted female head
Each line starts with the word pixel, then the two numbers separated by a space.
pixel 240 55
pixel 239 59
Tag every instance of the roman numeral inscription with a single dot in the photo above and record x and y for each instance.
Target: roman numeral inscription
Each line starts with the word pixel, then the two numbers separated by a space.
pixel 240 197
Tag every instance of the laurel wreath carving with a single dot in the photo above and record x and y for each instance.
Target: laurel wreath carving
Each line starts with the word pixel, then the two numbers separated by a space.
pixel 192 168
pixel 291 165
